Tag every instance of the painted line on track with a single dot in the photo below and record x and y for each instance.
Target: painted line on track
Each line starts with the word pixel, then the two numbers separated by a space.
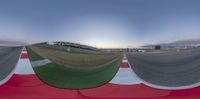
pixel 40 63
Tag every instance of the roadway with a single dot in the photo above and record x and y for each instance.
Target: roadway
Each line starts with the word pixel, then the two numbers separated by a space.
pixel 167 69
pixel 8 59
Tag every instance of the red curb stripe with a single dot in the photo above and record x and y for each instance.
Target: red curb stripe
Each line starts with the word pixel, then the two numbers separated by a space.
pixel 186 92
pixel 24 56
pixel 123 91
pixel 26 87
pixel 24 49
pixel 124 65
pixel 24 81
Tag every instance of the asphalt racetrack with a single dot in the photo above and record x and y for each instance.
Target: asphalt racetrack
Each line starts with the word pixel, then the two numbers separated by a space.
pixel 170 69
pixel 8 60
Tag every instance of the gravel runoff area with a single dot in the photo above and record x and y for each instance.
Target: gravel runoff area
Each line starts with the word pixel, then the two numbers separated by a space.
pixel 169 69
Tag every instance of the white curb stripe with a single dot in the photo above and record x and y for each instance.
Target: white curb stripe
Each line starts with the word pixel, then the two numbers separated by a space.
pixel 125 76
pixel 24 52
pixel 124 61
pixel 40 62
pixel 24 67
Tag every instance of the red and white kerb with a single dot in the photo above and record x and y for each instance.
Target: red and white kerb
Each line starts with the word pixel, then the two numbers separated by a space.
pixel 125 75
pixel 24 66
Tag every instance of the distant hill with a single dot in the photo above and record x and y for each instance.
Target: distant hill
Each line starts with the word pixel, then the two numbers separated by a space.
pixel 177 44
pixel 4 42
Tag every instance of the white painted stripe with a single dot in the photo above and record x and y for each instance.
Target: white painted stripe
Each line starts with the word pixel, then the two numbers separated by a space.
pixel 24 52
pixel 125 57
pixel 125 76
pixel 40 62
pixel 124 61
pixel 24 67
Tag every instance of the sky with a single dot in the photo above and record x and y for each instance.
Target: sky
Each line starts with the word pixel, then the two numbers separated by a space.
pixel 100 23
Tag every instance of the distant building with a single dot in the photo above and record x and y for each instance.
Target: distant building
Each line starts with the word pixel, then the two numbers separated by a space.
pixel 141 50
pixel 157 47
pixel 69 44
pixel 50 43
pixel 127 49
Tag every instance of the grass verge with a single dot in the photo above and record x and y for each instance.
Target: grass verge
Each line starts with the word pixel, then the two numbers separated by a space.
pixel 75 77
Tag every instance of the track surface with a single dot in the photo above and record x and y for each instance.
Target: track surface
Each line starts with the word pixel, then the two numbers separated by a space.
pixel 173 69
pixel 8 60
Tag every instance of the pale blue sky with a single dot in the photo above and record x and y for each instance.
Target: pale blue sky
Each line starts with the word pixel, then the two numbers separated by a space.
pixel 100 23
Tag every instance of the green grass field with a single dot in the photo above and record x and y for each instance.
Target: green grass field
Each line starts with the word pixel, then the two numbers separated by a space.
pixel 2 46
pixel 72 59
pixel 75 77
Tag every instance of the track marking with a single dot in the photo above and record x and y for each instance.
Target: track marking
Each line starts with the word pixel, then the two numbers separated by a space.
pixel 40 62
